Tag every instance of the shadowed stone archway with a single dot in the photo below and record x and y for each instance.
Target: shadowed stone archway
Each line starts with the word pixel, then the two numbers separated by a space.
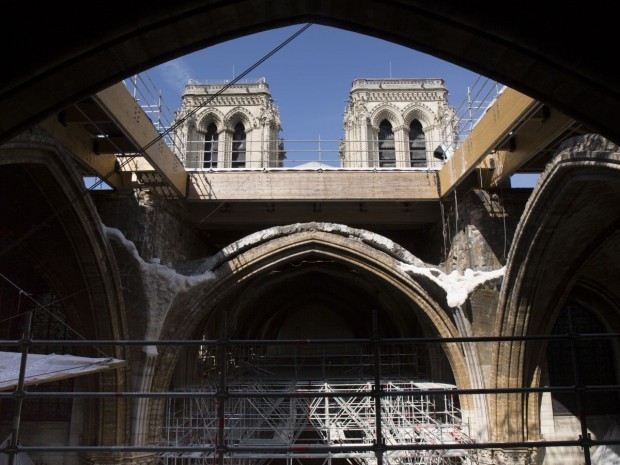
pixel 555 55
pixel 567 240
pixel 248 291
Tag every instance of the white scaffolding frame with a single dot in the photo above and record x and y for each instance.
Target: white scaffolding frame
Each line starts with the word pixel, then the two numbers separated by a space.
pixel 294 421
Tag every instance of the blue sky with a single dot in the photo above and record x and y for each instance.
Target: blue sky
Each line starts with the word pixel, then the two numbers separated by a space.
pixel 311 76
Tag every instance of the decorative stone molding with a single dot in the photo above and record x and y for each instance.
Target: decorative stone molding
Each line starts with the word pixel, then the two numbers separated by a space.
pixel 521 456
pixel 209 115
pixel 400 101
pixel 225 106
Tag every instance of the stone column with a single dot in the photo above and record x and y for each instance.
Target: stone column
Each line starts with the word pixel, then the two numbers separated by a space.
pixel 401 145
pixel 143 383
pixel 371 141
pixel 225 149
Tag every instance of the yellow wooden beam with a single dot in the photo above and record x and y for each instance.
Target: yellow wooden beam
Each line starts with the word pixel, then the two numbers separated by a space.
pixel 136 125
pixel 532 137
pixel 508 111
pixel 80 144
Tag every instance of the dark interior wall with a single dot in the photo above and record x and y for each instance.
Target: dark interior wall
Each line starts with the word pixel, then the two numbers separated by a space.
pixel 555 55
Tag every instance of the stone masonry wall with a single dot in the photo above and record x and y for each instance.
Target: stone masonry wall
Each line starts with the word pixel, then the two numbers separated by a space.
pixel 157 230
pixel 485 226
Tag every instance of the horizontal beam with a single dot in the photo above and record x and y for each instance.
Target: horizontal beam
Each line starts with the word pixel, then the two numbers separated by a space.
pixel 529 140
pixel 136 125
pixel 79 143
pixel 317 185
pixel 505 114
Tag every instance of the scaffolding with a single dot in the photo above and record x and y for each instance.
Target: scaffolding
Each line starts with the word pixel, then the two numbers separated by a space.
pixel 258 423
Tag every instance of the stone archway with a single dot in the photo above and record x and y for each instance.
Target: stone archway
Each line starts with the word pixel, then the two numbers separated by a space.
pixel 81 58
pixel 552 254
pixel 62 245
pixel 356 258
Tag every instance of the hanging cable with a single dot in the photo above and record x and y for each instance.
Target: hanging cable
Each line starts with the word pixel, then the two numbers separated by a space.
pixel 444 232
pixel 128 158
pixel 41 306
pixel 456 215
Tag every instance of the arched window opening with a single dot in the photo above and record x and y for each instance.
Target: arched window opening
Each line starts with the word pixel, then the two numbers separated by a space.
pixel 210 153
pixel 417 145
pixel 387 149
pixel 593 359
pixel 238 146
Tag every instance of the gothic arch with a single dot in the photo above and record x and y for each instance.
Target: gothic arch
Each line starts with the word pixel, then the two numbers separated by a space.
pixel 551 254
pixel 467 35
pixel 211 115
pixel 239 114
pixel 263 252
pixel 386 111
pixel 420 112
pixel 85 277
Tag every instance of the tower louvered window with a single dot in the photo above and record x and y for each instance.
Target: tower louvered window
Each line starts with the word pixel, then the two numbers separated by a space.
pixel 417 145
pixel 238 146
pixel 211 143
pixel 387 149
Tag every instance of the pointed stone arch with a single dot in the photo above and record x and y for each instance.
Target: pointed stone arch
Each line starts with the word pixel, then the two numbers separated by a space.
pixel 420 112
pixel 208 116
pixel 265 251
pixel 386 111
pixel 551 255
pixel 85 276
pixel 240 114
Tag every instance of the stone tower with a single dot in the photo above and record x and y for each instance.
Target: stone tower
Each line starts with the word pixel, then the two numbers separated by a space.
pixel 400 123
pixel 228 126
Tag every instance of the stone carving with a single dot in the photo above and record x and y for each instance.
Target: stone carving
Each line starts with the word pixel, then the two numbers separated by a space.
pixel 507 456
pixel 399 101
pixel 226 106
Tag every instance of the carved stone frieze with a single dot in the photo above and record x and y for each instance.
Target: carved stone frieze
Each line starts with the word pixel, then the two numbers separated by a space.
pixel 521 456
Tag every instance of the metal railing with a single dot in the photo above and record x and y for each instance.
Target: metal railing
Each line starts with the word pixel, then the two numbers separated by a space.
pixel 371 448
pixel 320 153
pixel 150 99
pixel 316 154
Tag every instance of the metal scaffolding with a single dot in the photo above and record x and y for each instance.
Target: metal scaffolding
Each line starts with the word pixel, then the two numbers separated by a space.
pixel 293 422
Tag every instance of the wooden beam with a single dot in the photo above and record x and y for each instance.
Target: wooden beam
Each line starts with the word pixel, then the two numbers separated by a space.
pixel 535 135
pixel 510 109
pixel 136 125
pixel 86 112
pixel 79 143
pixel 294 185
pixel 113 145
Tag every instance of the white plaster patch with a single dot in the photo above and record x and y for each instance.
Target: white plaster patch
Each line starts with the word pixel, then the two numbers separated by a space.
pixel 161 285
pixel 375 240
pixel 457 286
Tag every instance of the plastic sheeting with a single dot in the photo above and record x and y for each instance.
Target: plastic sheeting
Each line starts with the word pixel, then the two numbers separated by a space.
pixel 608 454
pixel 42 368
pixel 22 458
